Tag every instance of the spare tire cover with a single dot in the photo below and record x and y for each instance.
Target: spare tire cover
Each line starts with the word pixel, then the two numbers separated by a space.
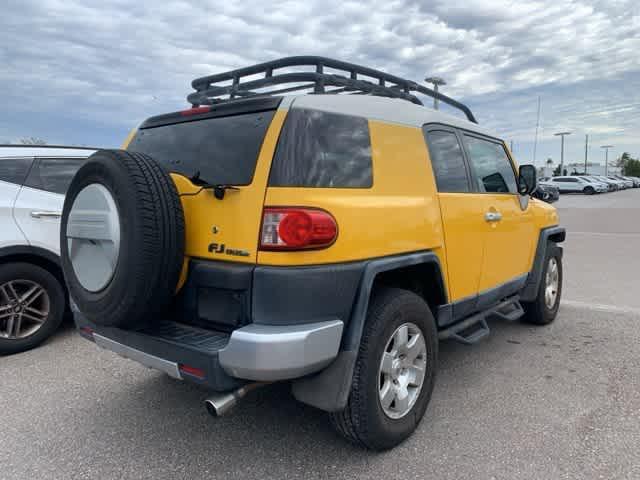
pixel 122 239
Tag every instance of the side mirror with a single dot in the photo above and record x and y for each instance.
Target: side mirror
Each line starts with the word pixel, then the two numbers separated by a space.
pixel 527 182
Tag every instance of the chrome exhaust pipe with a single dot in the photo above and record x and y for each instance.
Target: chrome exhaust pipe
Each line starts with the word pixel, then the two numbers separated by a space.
pixel 221 403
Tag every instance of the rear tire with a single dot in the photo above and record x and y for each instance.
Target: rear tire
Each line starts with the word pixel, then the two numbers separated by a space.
pixel 544 308
pixel 149 242
pixel 365 421
pixel 47 305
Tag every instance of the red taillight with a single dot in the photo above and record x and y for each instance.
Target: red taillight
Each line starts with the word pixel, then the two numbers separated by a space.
pixel 87 332
pixel 193 371
pixel 297 229
pixel 195 111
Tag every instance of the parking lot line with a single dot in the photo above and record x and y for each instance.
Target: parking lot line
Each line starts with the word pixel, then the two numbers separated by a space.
pixel 601 307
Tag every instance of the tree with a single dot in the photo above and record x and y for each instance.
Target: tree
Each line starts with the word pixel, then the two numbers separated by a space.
pixel 556 171
pixel 631 168
pixel 32 141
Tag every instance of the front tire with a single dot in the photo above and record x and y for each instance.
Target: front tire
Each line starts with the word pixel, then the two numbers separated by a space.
pixel 394 373
pixel 32 304
pixel 544 308
pixel 589 191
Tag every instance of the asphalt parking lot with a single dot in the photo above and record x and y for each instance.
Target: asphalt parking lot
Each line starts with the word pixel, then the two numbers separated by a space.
pixel 554 402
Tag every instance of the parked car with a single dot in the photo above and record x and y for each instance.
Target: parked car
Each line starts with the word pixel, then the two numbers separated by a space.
pixel 601 187
pixel 547 192
pixel 611 185
pixel 574 184
pixel 621 182
pixel 299 255
pixel 634 180
pixel 628 183
pixel 33 297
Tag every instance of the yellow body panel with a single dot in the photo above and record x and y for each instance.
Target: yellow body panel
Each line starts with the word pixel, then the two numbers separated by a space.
pixel 401 213
pixel 398 214
pixel 234 221
pixel 464 235
pixel 509 243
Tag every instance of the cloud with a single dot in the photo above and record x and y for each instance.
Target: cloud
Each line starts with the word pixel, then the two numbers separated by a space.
pixel 89 71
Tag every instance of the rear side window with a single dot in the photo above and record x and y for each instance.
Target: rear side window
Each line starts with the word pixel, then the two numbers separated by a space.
pixel 492 166
pixel 447 161
pixel 223 150
pixel 320 149
pixel 14 170
pixel 53 174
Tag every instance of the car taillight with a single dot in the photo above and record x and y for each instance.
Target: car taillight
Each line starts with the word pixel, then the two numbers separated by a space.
pixel 286 228
pixel 193 371
pixel 195 111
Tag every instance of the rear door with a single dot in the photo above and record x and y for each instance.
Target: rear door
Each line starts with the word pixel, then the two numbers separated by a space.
pixel 227 145
pixel 38 206
pixel 507 223
pixel 13 171
pixel 462 216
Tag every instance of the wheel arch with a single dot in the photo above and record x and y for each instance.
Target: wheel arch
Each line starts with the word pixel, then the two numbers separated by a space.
pixel 555 234
pixel 37 256
pixel 329 389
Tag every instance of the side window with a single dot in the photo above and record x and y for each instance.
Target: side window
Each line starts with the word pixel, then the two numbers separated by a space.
pixel 447 161
pixel 14 170
pixel 491 165
pixel 320 149
pixel 53 174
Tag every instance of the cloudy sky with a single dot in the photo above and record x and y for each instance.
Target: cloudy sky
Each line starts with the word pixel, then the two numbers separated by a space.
pixel 77 73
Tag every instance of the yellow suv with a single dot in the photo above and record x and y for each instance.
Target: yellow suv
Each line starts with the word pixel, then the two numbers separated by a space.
pixel 329 239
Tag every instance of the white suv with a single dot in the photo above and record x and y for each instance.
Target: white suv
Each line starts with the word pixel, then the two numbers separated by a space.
pixel 33 300
pixel 576 184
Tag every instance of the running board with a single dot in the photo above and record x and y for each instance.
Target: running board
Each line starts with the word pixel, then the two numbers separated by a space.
pixel 474 328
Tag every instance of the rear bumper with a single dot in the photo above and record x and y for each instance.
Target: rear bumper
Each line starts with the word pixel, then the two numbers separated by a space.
pixel 254 352
pixel 279 352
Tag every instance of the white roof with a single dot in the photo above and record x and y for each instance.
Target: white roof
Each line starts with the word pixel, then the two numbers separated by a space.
pixel 43 151
pixel 390 110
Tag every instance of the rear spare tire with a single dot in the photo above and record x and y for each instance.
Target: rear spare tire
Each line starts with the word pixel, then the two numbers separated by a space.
pixel 122 238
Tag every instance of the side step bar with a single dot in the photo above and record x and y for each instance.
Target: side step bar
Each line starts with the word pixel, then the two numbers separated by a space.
pixel 474 328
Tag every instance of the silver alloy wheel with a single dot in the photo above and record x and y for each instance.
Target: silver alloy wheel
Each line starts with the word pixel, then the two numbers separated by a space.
pixel 93 236
pixel 551 283
pixel 24 307
pixel 402 369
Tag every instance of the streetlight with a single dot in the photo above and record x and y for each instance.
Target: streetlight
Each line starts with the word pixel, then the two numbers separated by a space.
pixel 606 158
pixel 562 135
pixel 436 81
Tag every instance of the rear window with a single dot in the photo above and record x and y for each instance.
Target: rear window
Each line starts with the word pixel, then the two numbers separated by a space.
pixel 320 149
pixel 53 174
pixel 224 150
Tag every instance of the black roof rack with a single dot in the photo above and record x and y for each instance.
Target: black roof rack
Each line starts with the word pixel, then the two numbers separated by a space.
pixel 231 85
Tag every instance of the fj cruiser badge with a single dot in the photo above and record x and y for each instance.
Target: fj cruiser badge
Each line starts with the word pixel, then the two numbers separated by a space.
pixel 220 248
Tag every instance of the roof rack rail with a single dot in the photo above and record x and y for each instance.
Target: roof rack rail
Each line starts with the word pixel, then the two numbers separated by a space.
pixel 222 87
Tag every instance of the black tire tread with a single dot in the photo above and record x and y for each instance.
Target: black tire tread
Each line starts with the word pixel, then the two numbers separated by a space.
pixel 351 422
pixel 154 269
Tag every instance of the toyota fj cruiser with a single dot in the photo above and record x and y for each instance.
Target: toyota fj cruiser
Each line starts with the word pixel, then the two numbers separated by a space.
pixel 328 240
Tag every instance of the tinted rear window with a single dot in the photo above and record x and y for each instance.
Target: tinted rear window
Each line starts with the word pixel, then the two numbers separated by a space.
pixel 14 170
pixel 53 174
pixel 223 149
pixel 320 149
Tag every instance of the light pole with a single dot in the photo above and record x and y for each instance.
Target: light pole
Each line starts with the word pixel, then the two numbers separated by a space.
pixel 606 158
pixel 562 135
pixel 436 81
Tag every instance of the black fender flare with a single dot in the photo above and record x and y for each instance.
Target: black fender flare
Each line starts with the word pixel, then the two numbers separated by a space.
pixel 329 389
pixel 29 250
pixel 556 234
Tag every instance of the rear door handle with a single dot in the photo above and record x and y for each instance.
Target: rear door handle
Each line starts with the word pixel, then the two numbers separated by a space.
pixel 46 214
pixel 493 216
